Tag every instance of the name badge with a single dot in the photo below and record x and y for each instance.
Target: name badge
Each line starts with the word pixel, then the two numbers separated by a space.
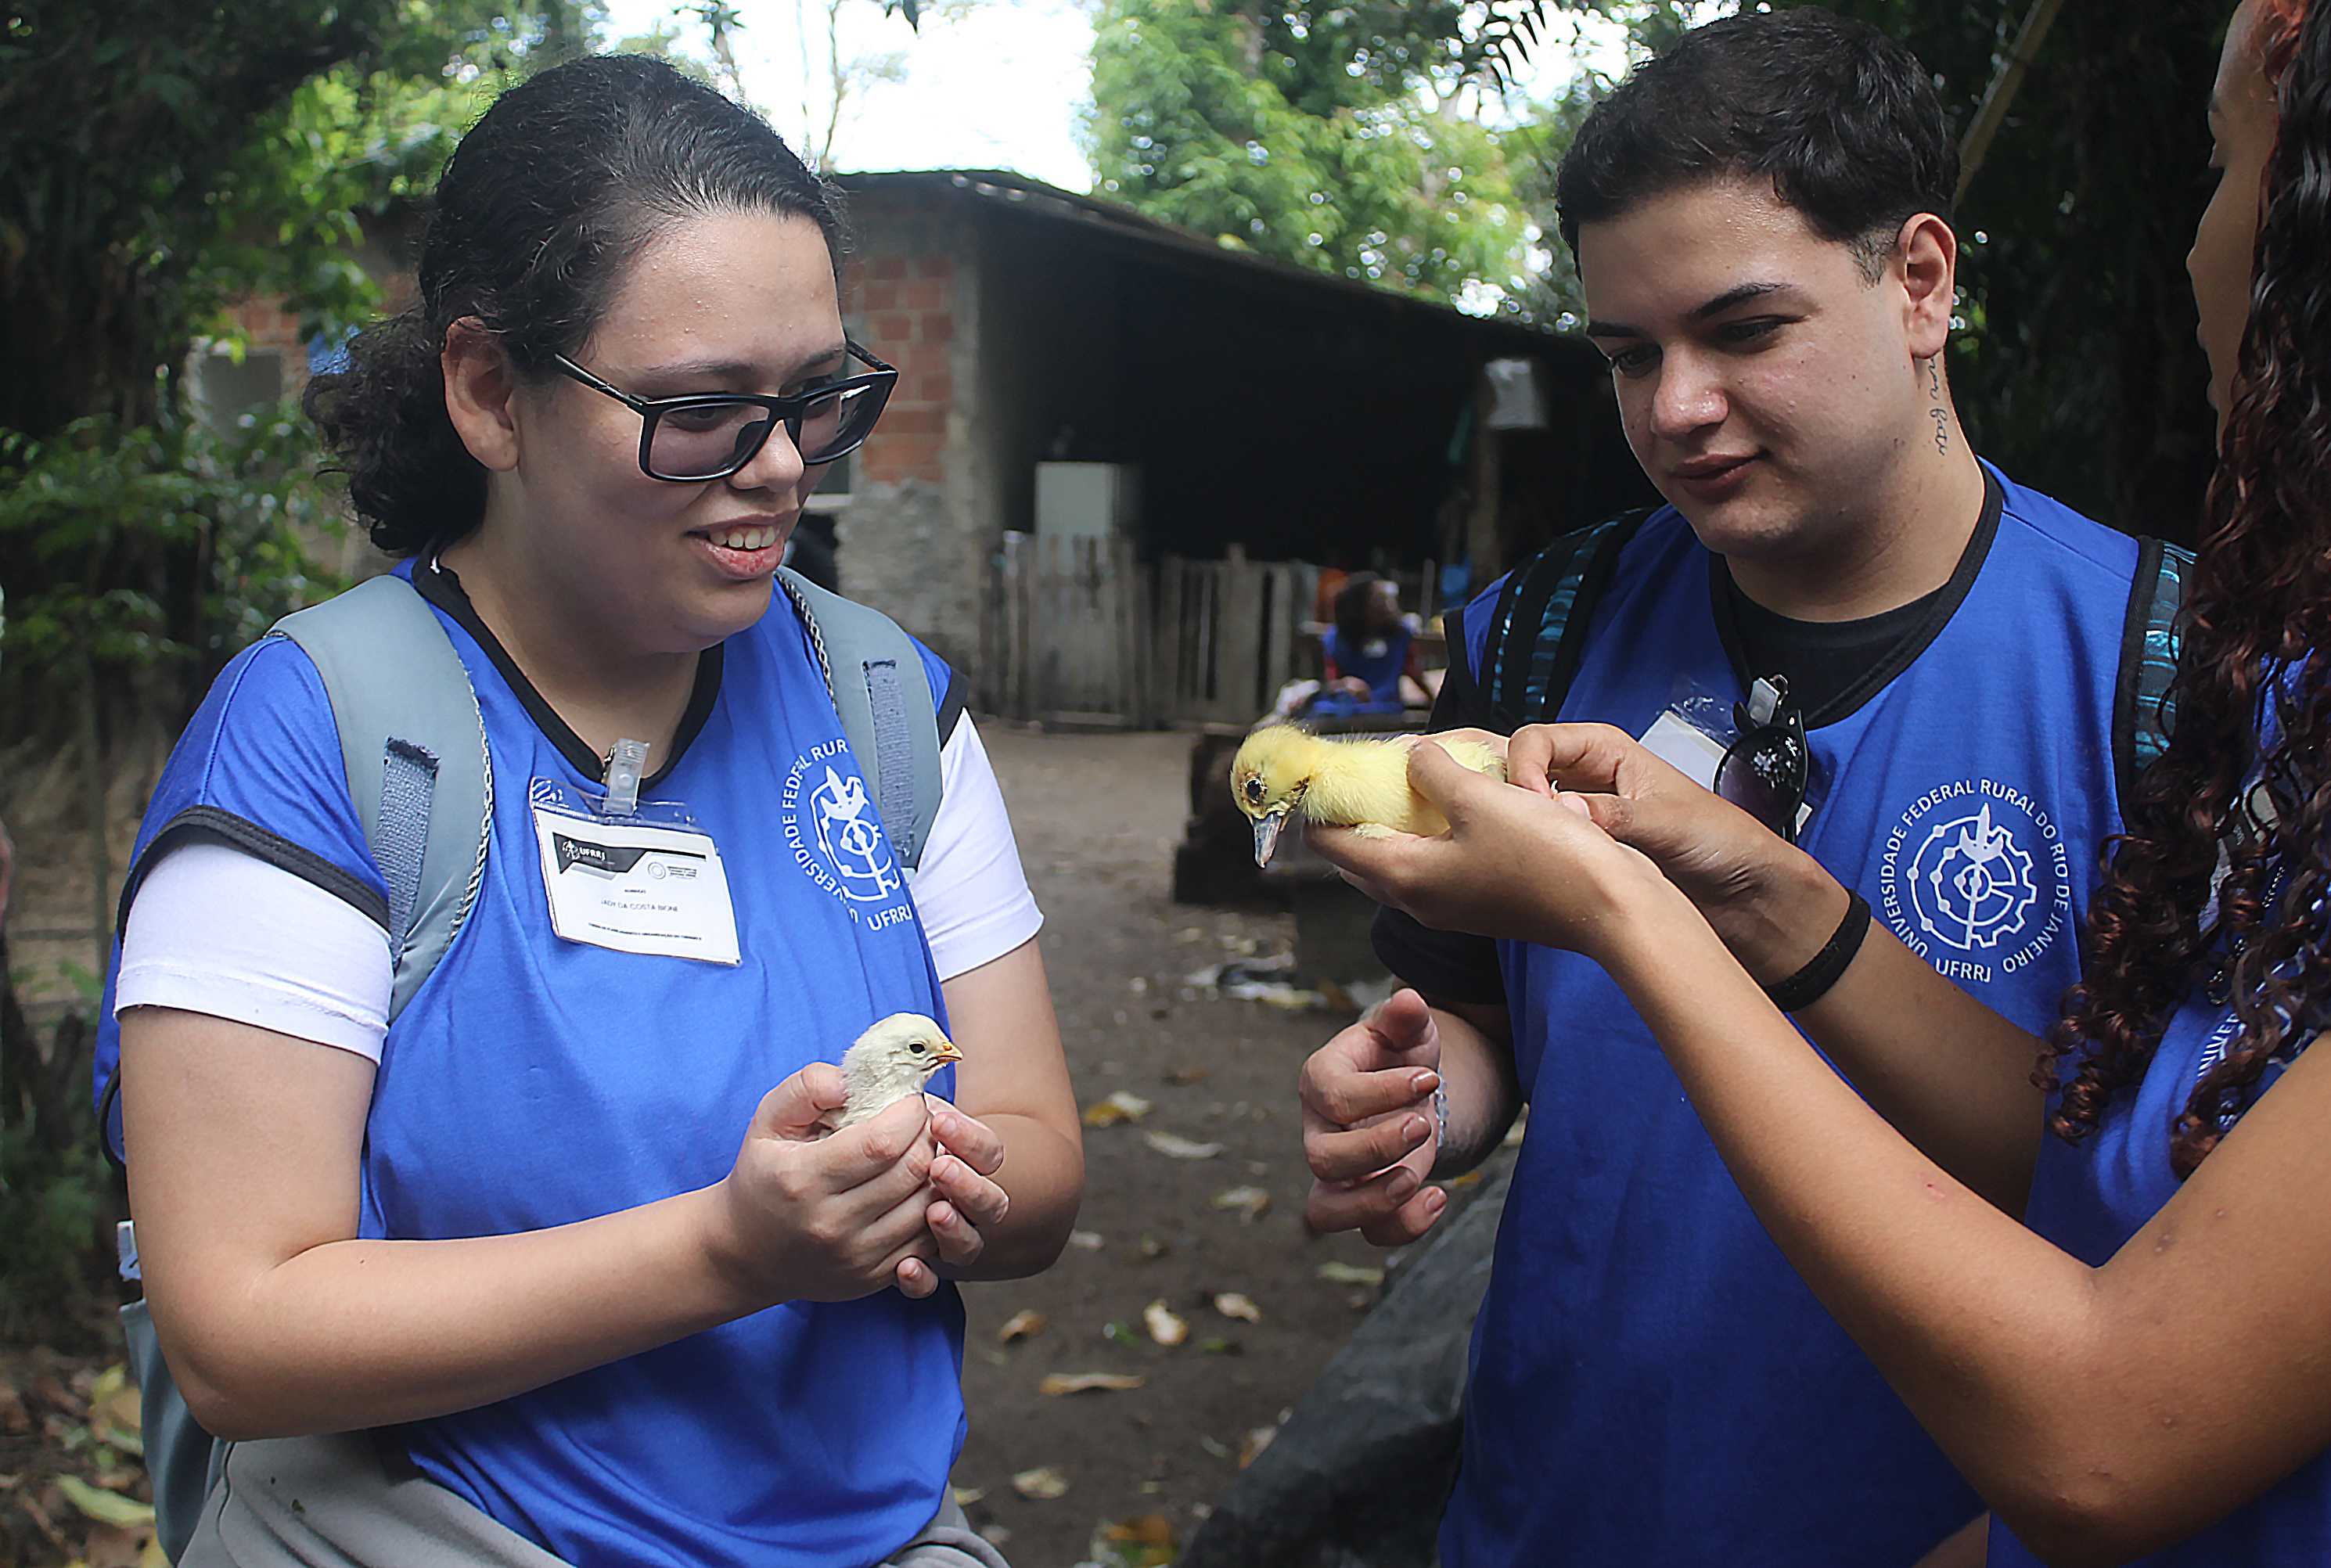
pixel 1692 733
pixel 650 882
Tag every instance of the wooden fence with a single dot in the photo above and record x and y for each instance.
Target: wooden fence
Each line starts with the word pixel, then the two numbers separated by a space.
pixel 1078 631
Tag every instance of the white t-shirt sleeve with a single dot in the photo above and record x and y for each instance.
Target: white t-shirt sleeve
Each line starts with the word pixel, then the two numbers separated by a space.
pixel 292 957
pixel 970 891
pixel 301 961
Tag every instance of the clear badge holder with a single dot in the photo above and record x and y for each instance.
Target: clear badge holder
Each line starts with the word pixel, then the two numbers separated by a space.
pixel 630 875
pixel 550 795
pixel 1709 716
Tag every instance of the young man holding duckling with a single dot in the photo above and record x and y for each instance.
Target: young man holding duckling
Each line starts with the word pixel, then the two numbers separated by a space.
pixel 1919 660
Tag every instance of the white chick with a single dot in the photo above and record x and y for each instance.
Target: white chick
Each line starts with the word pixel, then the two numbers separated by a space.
pixel 892 1060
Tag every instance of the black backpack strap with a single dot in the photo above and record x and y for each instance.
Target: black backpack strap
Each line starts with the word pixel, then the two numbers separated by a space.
pixel 1538 635
pixel 2143 708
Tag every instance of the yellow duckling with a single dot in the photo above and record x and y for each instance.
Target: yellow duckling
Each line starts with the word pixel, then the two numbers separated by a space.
pixel 1359 782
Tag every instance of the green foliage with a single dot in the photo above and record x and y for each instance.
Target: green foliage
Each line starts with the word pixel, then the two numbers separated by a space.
pixel 134 135
pixel 349 147
pixel 1327 137
pixel 2078 371
pixel 2075 365
pixel 57 1205
pixel 158 550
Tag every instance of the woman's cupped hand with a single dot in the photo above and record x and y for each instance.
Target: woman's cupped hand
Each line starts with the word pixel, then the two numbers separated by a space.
pixel 811 1215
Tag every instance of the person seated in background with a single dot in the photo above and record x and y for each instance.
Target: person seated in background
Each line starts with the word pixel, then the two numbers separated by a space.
pixel 1372 663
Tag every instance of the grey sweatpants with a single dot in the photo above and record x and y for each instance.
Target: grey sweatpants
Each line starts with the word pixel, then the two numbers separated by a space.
pixel 341 1502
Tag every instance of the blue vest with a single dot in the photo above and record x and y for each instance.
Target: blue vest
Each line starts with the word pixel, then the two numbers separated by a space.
pixel 1651 1382
pixel 2091 1197
pixel 1382 671
pixel 532 1083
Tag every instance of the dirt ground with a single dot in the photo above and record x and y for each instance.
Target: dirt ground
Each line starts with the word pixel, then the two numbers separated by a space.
pixel 1098 817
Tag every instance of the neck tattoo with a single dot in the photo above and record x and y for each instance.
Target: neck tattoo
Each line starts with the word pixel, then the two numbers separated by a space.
pixel 1941 416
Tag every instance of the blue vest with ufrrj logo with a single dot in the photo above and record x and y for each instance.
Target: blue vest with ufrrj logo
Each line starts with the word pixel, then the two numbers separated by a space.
pixel 533 1082
pixel 1651 1384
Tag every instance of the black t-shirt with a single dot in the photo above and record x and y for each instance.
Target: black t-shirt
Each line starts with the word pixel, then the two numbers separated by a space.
pixel 1833 667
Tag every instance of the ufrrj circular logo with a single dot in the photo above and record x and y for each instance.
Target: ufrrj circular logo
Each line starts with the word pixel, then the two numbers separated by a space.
pixel 835 834
pixel 1975 880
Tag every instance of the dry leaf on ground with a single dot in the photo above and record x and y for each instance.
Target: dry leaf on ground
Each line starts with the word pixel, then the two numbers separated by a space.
pixel 964 1497
pixel 1251 1445
pixel 115 1412
pixel 1040 1485
pixel 1025 1324
pixel 1147 1541
pixel 1251 1203
pixel 1059 1383
pixel 1350 1274
pixel 1175 1148
pixel 1165 1326
pixel 1232 1303
pixel 110 1546
pixel 1087 1240
pixel 106 1508
pixel 1121 1106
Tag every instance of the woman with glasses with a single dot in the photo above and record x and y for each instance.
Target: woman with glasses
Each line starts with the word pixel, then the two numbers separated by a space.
pixel 2118 1330
pixel 510 1241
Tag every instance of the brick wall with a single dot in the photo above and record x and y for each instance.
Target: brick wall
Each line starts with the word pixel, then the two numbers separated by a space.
pixel 913 542
pixel 908 306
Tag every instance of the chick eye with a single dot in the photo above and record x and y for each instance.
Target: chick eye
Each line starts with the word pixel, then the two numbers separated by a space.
pixel 1254 790
pixel 915 1046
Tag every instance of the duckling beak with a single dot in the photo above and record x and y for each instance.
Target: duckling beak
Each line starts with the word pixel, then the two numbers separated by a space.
pixel 1266 834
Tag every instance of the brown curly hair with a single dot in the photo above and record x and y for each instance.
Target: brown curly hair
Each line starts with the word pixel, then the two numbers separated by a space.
pixel 2246 778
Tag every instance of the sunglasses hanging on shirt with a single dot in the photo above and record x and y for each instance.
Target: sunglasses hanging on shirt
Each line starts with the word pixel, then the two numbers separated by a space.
pixel 1765 770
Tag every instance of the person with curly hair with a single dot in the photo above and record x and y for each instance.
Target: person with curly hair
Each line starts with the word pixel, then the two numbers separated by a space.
pixel 562 1258
pixel 2136 1367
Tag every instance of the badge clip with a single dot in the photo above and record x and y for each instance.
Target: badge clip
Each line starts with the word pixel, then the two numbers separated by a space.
pixel 626 761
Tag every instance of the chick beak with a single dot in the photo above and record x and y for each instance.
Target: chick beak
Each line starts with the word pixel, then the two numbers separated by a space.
pixel 1266 834
pixel 943 1050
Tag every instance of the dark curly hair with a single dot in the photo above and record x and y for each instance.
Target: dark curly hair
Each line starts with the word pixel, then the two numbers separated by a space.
pixel 1841 118
pixel 540 210
pixel 2247 772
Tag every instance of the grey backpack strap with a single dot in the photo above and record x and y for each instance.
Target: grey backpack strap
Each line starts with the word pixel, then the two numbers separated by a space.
pixel 888 713
pixel 415 751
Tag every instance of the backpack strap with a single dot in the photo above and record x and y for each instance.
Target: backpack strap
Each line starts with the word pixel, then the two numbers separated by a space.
pixel 1538 634
pixel 2142 707
pixel 415 747
pixel 883 694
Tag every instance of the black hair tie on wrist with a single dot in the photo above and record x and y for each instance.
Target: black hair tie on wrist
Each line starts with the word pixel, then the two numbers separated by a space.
pixel 1811 984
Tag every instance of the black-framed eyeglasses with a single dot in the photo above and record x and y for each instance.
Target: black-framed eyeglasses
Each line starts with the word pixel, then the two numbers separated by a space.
pixel 1765 772
pixel 711 435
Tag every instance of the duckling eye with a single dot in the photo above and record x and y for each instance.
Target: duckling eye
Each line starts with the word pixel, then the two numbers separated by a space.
pixel 915 1046
pixel 1254 790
